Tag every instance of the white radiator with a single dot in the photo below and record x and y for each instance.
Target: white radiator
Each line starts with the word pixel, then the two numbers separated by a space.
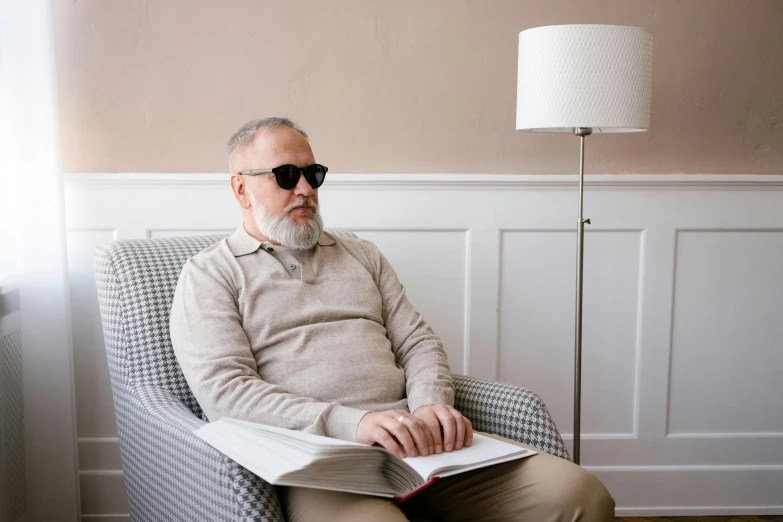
pixel 13 496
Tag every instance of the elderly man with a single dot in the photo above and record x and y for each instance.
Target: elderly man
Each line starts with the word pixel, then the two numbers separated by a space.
pixel 284 324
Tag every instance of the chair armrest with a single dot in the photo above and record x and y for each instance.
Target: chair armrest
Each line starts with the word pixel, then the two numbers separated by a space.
pixel 508 411
pixel 174 475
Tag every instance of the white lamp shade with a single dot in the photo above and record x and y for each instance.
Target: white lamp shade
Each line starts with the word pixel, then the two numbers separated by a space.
pixel 596 76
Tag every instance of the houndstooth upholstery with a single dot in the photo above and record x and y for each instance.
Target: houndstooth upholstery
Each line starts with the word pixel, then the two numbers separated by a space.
pixel 172 475
pixel 508 411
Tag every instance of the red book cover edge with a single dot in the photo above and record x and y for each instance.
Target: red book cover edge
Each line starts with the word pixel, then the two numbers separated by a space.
pixel 400 500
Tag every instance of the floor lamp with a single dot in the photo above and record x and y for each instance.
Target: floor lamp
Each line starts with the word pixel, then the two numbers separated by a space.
pixel 584 79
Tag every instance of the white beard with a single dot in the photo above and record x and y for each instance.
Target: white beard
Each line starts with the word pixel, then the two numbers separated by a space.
pixel 283 229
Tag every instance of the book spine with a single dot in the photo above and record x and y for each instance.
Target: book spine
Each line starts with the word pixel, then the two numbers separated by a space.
pixel 427 484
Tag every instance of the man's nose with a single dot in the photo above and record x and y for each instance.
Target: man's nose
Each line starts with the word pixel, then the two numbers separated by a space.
pixel 303 188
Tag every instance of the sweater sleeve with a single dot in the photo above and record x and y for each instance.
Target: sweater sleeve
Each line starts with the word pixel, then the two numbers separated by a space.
pixel 416 347
pixel 218 363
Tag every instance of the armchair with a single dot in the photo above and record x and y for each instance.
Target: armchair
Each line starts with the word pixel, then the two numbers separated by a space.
pixel 171 474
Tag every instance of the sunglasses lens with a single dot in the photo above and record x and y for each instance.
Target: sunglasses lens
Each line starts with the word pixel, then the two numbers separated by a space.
pixel 287 176
pixel 315 175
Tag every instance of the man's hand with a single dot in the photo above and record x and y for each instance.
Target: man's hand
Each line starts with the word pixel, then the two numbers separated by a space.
pixel 448 428
pixel 398 431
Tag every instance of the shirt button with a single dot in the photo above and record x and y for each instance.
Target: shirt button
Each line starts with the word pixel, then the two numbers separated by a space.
pixel 292 266
pixel 270 249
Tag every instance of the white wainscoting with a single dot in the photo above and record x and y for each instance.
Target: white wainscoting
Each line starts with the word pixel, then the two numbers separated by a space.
pixel 683 338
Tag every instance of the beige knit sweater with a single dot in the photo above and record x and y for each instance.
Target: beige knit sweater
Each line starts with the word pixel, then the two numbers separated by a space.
pixel 309 343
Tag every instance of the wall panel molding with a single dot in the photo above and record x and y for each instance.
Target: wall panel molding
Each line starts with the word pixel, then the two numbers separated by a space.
pixel 637 281
pixel 721 274
pixel 168 181
pixel 536 305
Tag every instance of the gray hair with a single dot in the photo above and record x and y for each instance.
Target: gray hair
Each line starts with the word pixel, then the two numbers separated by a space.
pixel 244 136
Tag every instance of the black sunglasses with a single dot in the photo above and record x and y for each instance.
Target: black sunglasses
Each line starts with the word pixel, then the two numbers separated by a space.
pixel 287 176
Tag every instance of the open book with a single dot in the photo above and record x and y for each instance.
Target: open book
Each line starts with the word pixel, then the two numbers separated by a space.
pixel 292 458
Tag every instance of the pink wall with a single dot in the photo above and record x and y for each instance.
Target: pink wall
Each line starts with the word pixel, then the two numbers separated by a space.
pixel 404 85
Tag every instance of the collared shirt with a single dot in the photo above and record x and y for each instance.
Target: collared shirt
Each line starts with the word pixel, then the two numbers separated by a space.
pixel 310 343
pixel 287 256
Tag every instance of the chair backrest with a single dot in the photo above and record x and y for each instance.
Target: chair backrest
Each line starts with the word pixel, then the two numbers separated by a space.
pixel 136 280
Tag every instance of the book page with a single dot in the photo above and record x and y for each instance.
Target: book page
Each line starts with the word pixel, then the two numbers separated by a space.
pixel 313 441
pixel 484 451
pixel 287 457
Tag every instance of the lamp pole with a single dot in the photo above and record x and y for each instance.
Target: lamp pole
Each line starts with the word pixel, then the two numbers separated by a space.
pixel 582 132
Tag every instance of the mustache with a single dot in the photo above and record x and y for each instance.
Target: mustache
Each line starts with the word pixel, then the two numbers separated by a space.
pixel 303 202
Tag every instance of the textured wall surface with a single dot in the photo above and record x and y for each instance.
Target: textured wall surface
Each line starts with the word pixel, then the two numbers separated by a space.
pixel 404 86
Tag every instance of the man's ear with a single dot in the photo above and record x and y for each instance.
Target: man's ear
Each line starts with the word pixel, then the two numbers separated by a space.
pixel 239 188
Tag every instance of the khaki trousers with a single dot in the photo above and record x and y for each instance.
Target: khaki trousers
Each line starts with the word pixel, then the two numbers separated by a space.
pixel 541 488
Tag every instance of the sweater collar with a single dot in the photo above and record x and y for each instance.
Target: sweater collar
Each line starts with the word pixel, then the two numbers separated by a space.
pixel 242 243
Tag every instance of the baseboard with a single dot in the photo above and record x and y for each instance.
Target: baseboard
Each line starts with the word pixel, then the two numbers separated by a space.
pixel 695 490
pixel 699 511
